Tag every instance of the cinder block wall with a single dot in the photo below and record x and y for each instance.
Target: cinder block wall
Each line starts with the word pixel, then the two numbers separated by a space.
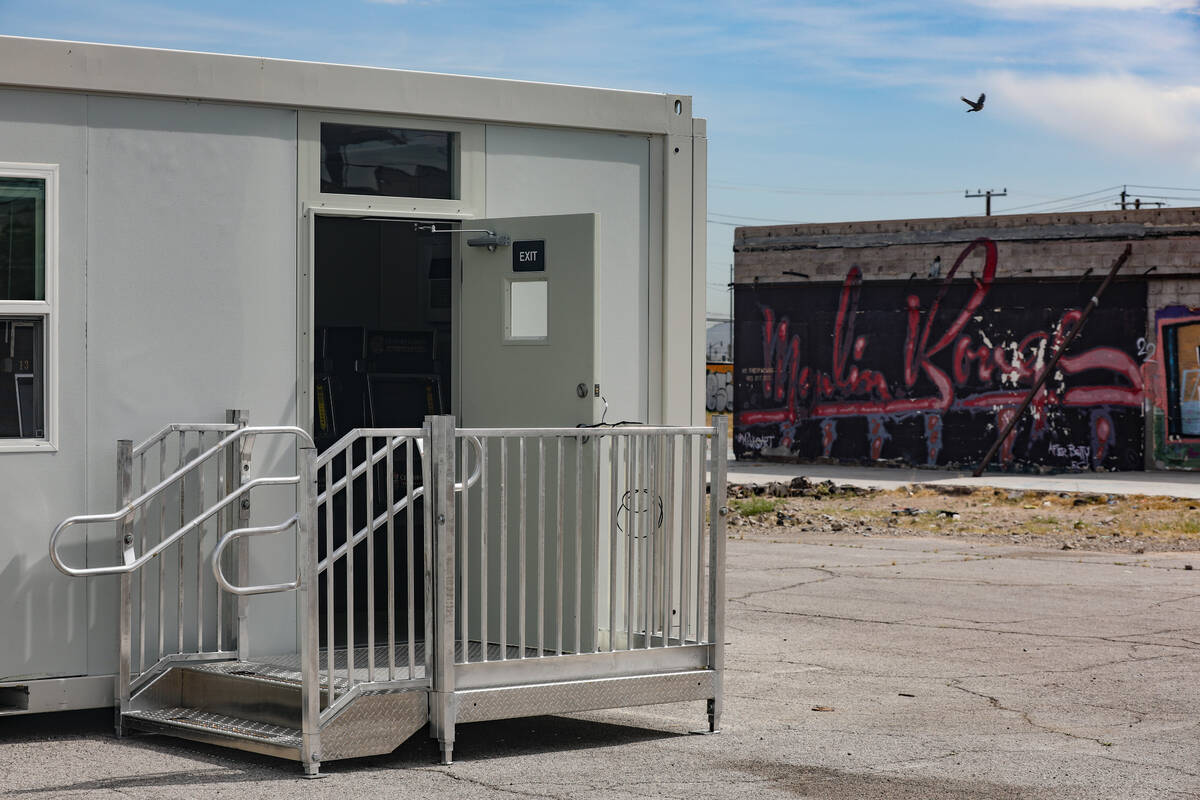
pixel 1123 402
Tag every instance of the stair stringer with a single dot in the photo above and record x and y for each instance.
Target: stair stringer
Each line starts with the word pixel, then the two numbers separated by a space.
pixel 374 723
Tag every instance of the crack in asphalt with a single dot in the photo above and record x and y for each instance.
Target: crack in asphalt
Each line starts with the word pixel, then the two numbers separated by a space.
pixel 830 575
pixel 1156 765
pixel 999 631
pixel 459 777
pixel 1024 715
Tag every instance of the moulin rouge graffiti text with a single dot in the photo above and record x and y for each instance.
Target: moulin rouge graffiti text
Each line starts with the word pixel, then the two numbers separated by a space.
pixel 944 366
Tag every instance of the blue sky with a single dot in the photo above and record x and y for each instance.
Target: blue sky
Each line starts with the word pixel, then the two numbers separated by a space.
pixel 818 111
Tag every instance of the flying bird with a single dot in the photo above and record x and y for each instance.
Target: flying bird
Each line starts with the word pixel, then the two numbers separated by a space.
pixel 975 105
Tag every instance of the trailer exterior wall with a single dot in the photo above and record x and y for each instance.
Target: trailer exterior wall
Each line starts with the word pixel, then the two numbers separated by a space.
pixel 184 234
pixel 43 613
pixel 191 303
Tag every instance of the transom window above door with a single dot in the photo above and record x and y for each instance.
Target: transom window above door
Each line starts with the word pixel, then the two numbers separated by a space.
pixel 385 161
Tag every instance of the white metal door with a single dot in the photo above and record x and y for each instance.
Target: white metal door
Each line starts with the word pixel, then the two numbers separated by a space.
pixel 530 349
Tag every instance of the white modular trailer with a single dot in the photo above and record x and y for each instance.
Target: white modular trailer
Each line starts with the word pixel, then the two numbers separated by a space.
pixel 185 233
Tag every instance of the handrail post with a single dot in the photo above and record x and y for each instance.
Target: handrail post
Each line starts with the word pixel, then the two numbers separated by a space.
pixel 307 610
pixel 126 552
pixel 239 465
pixel 443 709
pixel 716 568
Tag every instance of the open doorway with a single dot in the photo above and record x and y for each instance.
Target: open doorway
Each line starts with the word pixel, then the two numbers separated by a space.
pixel 382 322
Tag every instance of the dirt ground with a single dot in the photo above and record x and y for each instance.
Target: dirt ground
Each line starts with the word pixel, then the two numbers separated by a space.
pixel 1057 520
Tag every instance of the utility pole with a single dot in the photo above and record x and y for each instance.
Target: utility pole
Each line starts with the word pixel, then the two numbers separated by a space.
pixel 989 194
pixel 1136 202
pixel 730 352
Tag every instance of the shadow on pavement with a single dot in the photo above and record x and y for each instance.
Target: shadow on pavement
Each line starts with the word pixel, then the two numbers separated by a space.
pixel 476 742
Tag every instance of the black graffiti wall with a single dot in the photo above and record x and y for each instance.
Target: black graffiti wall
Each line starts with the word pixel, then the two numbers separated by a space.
pixel 927 372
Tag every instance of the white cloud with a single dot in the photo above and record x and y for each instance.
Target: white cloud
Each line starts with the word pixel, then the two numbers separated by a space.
pixel 1167 6
pixel 1119 112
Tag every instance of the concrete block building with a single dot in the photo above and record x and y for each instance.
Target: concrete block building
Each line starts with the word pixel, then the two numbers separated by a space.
pixel 914 341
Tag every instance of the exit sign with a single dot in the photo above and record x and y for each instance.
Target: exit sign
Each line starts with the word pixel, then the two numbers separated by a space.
pixel 529 256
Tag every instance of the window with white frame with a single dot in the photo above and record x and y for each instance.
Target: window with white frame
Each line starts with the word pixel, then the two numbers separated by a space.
pixel 28 268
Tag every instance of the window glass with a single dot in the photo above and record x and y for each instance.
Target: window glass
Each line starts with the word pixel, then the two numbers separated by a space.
pixel 22 372
pixel 395 162
pixel 528 310
pixel 22 239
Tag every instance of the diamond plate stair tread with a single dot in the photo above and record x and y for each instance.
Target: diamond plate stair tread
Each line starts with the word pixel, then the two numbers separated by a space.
pixel 197 719
pixel 285 669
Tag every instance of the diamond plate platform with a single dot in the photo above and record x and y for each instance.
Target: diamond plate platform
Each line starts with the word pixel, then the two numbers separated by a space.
pixel 510 702
pixel 285 669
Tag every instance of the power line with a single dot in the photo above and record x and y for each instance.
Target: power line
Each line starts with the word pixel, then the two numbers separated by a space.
pixel 1169 197
pixel 1059 200
pixel 742 216
pixel 751 187
pixel 1164 188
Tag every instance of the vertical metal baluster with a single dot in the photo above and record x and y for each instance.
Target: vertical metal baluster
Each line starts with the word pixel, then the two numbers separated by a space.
pixel 522 552
pixel 179 548
pixel 541 549
pixel 656 538
pixel 631 451
pixel 668 537
pixel 503 548
pixel 390 495
pixel 429 480
pixel 330 631
pixel 370 476
pixel 463 607
pixel 222 491
pixel 595 626
pixel 613 453
pixel 702 526
pixel 483 549
pixel 350 566
pixel 578 543
pixel 649 526
pixel 162 532
pixel 200 554
pixel 685 540
pixel 410 544
pixel 142 572
pixel 559 540
pixel 462 553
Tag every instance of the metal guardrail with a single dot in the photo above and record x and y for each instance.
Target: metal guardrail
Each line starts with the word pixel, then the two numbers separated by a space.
pixel 164 616
pixel 362 493
pixel 534 545
pixel 582 540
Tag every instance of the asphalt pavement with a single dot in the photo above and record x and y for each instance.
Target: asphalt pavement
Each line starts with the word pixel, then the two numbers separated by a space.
pixel 857 667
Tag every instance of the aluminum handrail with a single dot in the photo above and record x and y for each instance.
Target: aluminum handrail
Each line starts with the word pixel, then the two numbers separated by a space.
pixel 339 447
pixel 219 572
pixel 138 502
pixel 378 522
pixel 90 572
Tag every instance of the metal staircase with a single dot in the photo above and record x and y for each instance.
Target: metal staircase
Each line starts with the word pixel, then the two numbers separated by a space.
pixel 442 576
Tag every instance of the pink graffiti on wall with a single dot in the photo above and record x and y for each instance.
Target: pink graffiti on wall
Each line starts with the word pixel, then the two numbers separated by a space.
pixel 851 391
